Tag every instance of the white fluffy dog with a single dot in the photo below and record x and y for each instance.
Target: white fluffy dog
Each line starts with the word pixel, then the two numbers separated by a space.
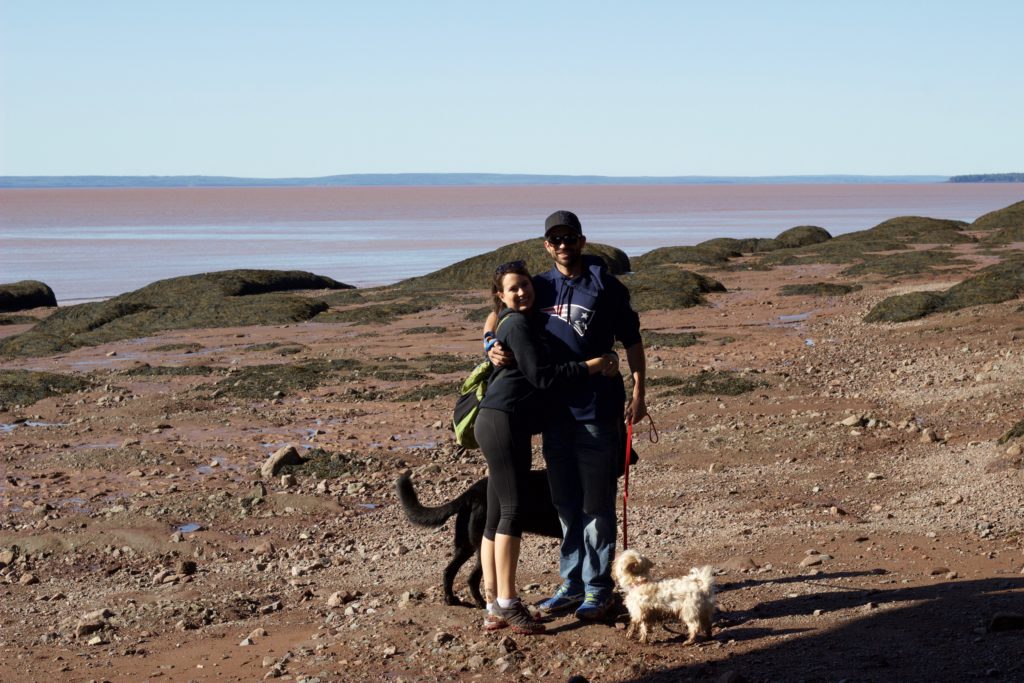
pixel 690 599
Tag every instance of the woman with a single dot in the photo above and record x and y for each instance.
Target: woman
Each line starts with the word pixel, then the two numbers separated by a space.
pixel 510 413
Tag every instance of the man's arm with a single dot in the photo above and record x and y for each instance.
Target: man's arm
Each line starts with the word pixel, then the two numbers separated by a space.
pixel 636 408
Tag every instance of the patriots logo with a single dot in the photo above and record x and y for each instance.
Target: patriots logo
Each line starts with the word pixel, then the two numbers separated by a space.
pixel 576 316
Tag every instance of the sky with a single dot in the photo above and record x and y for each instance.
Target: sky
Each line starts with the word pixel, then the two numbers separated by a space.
pixel 305 88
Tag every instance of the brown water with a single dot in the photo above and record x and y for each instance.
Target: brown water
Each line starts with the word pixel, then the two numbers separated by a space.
pixel 89 243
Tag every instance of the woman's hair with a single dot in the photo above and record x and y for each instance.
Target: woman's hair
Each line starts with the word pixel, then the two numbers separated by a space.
pixel 517 267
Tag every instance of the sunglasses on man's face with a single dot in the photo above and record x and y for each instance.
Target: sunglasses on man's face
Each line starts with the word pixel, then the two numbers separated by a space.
pixel 559 240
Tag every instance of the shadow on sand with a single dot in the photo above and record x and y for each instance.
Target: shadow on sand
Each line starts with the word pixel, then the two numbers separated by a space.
pixel 924 633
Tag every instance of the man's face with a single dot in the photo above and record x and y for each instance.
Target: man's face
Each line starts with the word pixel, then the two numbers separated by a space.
pixel 565 246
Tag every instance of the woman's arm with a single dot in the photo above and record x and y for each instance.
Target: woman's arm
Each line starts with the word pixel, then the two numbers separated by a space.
pixel 538 368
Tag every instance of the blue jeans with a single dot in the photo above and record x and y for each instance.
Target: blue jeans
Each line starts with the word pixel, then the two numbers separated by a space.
pixel 582 459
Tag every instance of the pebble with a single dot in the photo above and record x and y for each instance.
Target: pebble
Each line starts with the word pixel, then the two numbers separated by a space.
pixel 286 455
pixel 872 476
pixel 28 580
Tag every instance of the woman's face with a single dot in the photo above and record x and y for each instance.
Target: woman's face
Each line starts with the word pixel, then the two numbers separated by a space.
pixel 516 292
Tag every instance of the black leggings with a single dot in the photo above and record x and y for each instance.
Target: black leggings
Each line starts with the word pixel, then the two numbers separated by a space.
pixel 506 446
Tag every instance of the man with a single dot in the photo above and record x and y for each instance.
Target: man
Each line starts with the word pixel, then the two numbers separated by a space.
pixel 588 309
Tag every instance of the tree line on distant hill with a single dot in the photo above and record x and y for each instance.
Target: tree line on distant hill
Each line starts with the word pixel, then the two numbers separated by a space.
pixel 989 178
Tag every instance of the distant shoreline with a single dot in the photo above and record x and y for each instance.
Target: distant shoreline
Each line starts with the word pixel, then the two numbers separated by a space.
pixel 451 180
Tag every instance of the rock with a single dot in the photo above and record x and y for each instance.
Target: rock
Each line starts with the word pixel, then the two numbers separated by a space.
pixel 272 607
pixel 1013 451
pixel 1006 621
pixel 178 537
pixel 443 637
pixel 267 548
pixel 186 568
pixel 280 458
pixel 928 435
pixel 323 487
pixel 8 556
pixel 97 640
pixel 738 563
pixel 288 480
pixel 257 633
pixel 507 643
pixel 246 642
pixel 872 476
pixel 28 580
pixel 98 615
pixel 161 576
pixel 85 628
pixel 851 421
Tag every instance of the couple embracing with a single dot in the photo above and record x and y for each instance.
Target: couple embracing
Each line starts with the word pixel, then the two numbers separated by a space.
pixel 551 338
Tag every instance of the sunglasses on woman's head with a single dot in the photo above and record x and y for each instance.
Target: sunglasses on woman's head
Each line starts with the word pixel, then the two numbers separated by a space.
pixel 559 240
pixel 509 267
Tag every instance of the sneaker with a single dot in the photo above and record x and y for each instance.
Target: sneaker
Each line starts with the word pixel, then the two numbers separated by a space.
pixel 519 619
pixel 594 607
pixel 492 622
pixel 562 601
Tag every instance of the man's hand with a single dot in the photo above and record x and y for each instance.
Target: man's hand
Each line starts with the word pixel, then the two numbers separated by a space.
pixel 501 357
pixel 636 409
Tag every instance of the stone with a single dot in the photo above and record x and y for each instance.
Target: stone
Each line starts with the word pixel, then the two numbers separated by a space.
pixel 1014 450
pixel 928 435
pixel 264 548
pixel 97 640
pixel 28 580
pixel 257 633
pixel 1006 621
pixel 7 557
pixel 85 628
pixel 288 480
pixel 851 421
pixel 874 476
pixel 186 568
pixel 738 564
pixel 246 642
pixel 280 458
pixel 443 637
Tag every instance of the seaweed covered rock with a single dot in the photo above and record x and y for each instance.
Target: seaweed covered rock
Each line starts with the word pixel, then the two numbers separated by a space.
pixel 25 387
pixel 668 287
pixel 707 256
pixel 222 299
pixel 818 289
pixel 746 245
pixel 801 236
pixel 26 294
pixel 907 263
pixel 922 230
pixel 895 234
pixel 476 271
pixel 904 307
pixel 1004 226
pixel 994 284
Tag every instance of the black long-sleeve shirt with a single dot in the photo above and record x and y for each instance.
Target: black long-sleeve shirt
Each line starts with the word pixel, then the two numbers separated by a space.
pixel 522 389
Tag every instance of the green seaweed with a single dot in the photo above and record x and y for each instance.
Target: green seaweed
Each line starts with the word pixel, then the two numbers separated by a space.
pixel 426 392
pixel 670 339
pixel 426 329
pixel 712 382
pixel 802 236
pixel 1014 432
pixel 25 387
pixel 668 287
pixel 224 299
pixel 375 314
pixel 1005 226
pixel 147 370
pixel 24 295
pixel 818 289
pixel 708 256
pixel 907 263
pixel 476 272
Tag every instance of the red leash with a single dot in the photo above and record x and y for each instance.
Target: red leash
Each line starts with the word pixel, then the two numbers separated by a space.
pixel 625 484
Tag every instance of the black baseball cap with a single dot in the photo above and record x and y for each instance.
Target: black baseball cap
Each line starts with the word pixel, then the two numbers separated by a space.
pixel 563 219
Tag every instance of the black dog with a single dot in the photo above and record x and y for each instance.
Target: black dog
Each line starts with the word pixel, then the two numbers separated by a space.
pixel 470 510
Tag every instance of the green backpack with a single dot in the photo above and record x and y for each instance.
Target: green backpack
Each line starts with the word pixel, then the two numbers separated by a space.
pixel 467 406
pixel 471 393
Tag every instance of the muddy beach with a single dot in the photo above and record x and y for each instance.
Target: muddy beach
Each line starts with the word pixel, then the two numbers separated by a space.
pixel 858 487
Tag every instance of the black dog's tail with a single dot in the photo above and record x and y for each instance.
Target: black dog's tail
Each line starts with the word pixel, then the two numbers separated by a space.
pixel 419 514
